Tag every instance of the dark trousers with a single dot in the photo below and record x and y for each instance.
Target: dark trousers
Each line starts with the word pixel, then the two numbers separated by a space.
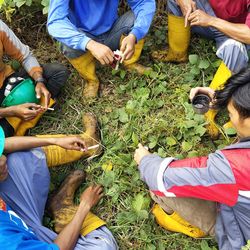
pixel 55 75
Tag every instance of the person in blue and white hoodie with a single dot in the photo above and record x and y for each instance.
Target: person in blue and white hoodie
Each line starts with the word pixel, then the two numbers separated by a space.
pixel 207 195
pixel 89 30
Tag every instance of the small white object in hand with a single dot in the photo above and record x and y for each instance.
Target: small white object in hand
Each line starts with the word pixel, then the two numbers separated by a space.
pixel 118 58
pixel 94 146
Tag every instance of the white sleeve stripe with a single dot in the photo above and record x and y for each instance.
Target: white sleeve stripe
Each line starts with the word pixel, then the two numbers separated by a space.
pixel 162 168
pixel 244 193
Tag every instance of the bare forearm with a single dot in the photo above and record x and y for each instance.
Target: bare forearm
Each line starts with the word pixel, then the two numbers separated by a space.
pixel 68 237
pixel 7 112
pixel 17 143
pixel 239 32
pixel 36 75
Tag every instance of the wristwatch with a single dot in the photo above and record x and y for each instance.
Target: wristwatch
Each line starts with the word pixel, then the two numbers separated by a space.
pixel 39 79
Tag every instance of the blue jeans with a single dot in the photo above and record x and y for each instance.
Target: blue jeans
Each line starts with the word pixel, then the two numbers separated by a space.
pixel 111 38
pixel 233 53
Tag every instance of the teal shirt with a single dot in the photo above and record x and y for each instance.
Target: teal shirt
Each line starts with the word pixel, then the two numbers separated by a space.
pixel 69 19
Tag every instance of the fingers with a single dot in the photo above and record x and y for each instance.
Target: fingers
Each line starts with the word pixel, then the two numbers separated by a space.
pixel 193 93
pixel 31 111
pixel 79 144
pixel 31 105
pixel 193 4
pixel 187 16
pixel 106 55
pixel 128 54
pixel 123 46
pixel 38 93
pixel 97 189
pixel 106 59
pixel 47 96
pixel 203 90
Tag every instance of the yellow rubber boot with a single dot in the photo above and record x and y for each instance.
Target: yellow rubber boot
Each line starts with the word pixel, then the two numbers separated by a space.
pixel 220 77
pixel 63 216
pixel 25 125
pixel 62 207
pixel 178 41
pixel 20 127
pixel 132 64
pixel 14 122
pixel 85 65
pixel 175 223
pixel 56 155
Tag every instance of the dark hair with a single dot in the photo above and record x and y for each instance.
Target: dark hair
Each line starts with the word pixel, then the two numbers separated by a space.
pixel 237 89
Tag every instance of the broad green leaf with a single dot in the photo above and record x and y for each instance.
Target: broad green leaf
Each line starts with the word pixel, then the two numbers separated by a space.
pixel 195 71
pixel 137 203
pixel 108 179
pixel 192 153
pixel 130 106
pixel 122 74
pixel 171 141
pixel 143 214
pixel 204 64
pixel 20 3
pixel 230 131
pixel 135 138
pixel 200 130
pixel 186 146
pixel 123 116
pixel 204 245
pixel 193 59
pixel 151 145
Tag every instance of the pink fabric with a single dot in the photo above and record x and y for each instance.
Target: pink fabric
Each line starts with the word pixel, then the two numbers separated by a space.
pixel 235 11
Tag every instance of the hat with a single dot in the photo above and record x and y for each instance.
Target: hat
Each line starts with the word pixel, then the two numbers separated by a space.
pixel 2 140
pixel 24 92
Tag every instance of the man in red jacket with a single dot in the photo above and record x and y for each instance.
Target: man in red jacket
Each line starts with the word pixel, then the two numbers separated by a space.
pixel 209 194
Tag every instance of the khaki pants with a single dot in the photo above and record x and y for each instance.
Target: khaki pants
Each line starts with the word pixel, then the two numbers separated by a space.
pixel 197 212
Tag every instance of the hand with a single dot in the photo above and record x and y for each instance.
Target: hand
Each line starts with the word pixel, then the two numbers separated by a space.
pixel 200 18
pixel 201 90
pixel 3 168
pixel 101 52
pixel 27 111
pixel 42 90
pixel 128 47
pixel 71 143
pixel 140 152
pixel 187 7
pixel 92 195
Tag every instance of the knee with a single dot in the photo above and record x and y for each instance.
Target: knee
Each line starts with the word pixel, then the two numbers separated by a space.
pixel 173 8
pixel 234 54
pixel 101 239
pixel 69 52
pixel 58 72
pixel 129 19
